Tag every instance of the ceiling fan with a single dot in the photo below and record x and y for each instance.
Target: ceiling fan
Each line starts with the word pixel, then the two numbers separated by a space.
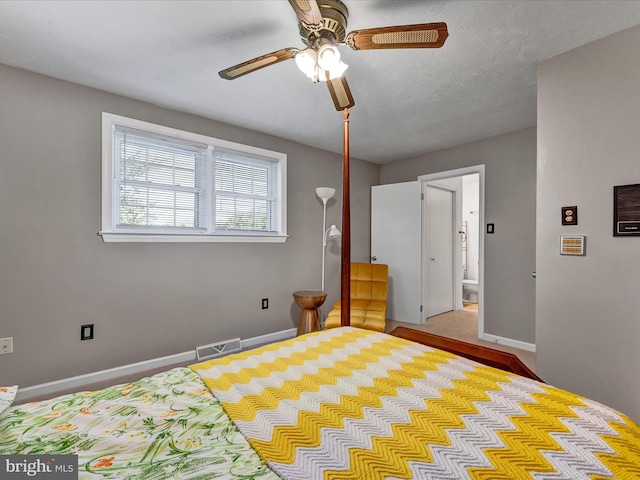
pixel 323 26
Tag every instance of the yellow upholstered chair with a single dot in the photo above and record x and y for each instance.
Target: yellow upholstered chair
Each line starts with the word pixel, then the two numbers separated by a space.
pixel 369 289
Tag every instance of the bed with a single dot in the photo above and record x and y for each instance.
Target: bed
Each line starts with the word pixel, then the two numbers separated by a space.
pixel 342 403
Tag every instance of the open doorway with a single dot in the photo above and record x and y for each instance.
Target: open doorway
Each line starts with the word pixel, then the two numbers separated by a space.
pixel 470 240
pixel 453 219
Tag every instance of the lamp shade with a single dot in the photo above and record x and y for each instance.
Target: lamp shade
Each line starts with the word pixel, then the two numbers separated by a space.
pixel 325 193
pixel 333 232
pixel 338 70
pixel 306 61
pixel 328 57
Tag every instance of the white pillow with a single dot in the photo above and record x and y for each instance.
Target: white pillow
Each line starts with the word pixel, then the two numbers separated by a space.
pixel 7 395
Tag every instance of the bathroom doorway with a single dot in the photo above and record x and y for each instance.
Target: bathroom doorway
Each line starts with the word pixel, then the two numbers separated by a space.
pixel 470 240
pixel 465 225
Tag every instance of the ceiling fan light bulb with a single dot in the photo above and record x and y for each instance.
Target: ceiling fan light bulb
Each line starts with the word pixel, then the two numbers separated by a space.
pixel 306 61
pixel 338 70
pixel 328 57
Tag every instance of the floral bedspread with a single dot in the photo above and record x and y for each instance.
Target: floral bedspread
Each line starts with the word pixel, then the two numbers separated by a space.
pixel 164 426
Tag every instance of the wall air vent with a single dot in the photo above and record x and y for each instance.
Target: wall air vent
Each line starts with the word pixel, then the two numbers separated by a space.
pixel 213 350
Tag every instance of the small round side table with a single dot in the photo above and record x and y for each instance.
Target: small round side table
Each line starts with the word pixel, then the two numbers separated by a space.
pixel 309 301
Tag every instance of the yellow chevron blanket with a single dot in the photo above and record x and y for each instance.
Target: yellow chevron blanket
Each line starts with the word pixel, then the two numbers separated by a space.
pixel 360 405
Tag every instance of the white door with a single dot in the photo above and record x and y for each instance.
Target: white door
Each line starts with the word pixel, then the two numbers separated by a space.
pixel 396 240
pixel 439 205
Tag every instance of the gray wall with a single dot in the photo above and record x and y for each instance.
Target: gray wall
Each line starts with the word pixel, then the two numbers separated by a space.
pixel 588 327
pixel 510 203
pixel 146 300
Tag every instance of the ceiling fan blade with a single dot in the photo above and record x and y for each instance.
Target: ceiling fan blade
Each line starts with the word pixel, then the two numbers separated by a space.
pixel 308 11
pixel 340 93
pixel 254 64
pixel 423 35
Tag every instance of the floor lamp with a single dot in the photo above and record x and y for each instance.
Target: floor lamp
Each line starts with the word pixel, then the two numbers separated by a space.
pixel 325 194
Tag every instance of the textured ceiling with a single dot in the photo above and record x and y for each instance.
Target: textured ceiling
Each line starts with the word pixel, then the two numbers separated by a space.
pixel 408 102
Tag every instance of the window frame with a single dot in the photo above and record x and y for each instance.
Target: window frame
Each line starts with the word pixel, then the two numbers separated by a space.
pixel 159 234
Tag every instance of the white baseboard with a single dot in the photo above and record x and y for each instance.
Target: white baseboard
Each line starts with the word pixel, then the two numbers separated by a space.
pixel 111 373
pixel 529 347
pixel 269 338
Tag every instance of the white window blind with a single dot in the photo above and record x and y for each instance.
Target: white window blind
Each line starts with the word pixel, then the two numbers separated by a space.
pixel 161 184
pixel 246 191
pixel 158 181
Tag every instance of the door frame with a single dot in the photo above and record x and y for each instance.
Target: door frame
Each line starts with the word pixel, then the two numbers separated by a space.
pixel 459 172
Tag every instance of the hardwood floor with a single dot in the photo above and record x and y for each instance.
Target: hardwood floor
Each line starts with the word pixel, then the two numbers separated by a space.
pixel 463 325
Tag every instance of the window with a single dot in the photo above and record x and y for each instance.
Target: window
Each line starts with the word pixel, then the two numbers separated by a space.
pixel 165 185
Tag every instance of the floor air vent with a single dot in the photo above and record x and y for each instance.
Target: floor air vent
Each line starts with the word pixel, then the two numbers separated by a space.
pixel 219 349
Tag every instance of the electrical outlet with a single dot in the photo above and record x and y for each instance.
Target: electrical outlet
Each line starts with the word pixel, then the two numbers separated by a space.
pixel 265 303
pixel 6 345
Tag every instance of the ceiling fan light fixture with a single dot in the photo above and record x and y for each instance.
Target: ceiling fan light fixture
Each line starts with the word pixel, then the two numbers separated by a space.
pixel 338 70
pixel 329 62
pixel 321 63
pixel 328 57
pixel 307 60
pixel 322 27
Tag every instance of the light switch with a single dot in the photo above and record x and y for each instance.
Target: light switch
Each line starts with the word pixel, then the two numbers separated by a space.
pixel 86 332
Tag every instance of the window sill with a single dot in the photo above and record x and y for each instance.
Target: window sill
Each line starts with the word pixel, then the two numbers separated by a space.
pixel 121 237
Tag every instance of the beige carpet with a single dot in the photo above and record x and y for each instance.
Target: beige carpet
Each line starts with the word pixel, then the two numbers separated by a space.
pixel 470 307
pixel 463 325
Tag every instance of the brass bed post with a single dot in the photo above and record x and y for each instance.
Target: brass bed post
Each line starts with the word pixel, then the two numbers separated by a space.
pixel 345 277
